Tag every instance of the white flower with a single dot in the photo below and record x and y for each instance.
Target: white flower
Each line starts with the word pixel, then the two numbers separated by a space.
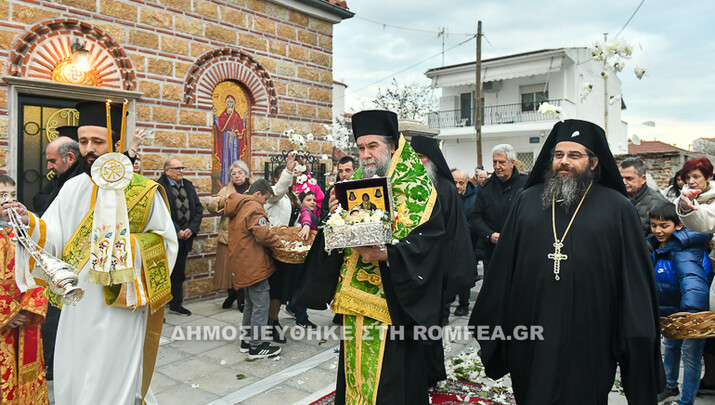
pixel 324 157
pixel 618 66
pixel 377 216
pixel 329 138
pixel 301 168
pixel 613 99
pixel 586 90
pixel 301 179
pixel 313 181
pixel 546 108
pixel 309 137
pixel 335 219
pixel 639 71
pixel 604 74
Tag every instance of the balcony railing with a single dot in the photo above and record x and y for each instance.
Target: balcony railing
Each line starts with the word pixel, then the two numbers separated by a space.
pixel 491 115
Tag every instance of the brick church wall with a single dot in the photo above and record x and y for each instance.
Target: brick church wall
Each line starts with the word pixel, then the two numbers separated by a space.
pixel 164 39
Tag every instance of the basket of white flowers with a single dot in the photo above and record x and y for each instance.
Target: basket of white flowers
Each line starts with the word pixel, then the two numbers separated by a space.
pixel 295 249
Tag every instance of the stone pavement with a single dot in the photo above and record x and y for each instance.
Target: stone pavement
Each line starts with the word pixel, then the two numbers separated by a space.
pixel 199 361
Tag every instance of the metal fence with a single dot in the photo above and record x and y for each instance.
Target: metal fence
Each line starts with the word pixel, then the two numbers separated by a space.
pixel 312 163
pixel 491 115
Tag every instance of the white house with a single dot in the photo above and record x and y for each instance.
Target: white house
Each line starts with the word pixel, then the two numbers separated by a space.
pixel 513 88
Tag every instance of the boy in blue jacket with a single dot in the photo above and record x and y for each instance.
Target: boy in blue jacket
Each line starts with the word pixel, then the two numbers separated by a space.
pixel 683 275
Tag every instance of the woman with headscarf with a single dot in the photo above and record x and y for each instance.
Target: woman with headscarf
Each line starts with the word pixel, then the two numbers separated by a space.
pixel 240 182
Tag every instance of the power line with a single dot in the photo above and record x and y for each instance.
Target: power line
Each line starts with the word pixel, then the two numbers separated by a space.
pixel 629 20
pixel 411 66
pixel 406 28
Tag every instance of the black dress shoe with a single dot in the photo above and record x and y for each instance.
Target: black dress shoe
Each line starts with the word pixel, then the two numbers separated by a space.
pixel 461 311
pixel 180 310
pixel 276 332
pixel 228 303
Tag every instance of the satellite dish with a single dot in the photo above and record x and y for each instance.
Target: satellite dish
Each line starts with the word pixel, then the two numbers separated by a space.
pixel 635 139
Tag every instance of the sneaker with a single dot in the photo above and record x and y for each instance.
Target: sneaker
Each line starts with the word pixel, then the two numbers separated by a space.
pixel 277 332
pixel 306 324
pixel 263 351
pixel 706 389
pixel 245 347
pixel 461 311
pixel 289 311
pixel 668 393
pixel 180 310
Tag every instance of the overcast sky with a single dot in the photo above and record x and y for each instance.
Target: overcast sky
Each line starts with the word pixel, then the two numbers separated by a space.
pixel 672 41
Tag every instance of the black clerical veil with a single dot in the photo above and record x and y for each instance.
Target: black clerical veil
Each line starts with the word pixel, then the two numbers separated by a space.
pixel 430 148
pixel 589 135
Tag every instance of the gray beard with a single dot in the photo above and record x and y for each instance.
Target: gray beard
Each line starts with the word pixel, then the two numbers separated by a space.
pixel 566 189
pixel 431 172
pixel 380 169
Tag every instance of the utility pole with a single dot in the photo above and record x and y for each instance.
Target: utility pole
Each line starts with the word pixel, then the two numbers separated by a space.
pixel 478 95
pixel 442 33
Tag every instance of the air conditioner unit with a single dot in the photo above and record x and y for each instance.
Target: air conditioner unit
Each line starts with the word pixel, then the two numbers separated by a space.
pixel 491 87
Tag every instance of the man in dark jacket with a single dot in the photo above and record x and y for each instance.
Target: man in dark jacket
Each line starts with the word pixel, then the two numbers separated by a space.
pixel 468 194
pixel 643 197
pixel 186 212
pixel 61 155
pixel 494 200
pixel 346 167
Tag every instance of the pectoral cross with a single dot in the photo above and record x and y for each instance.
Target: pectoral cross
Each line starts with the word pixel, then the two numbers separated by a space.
pixel 557 257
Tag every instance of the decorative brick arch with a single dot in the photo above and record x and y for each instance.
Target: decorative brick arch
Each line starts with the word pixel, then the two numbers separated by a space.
pixel 223 64
pixel 37 52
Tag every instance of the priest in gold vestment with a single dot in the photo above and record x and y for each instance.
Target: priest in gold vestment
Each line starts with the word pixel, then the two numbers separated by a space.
pixel 106 344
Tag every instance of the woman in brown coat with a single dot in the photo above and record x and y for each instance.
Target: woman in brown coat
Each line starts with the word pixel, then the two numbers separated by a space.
pixel 240 183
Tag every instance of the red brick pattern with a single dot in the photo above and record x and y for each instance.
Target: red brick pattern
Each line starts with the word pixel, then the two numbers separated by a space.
pixel 26 51
pixel 224 64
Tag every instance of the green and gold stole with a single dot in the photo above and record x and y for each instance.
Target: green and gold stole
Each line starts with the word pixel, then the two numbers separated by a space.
pixel 360 295
pixel 139 196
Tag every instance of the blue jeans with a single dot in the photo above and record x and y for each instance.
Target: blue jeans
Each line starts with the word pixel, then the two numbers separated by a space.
pixel 692 353
pixel 301 313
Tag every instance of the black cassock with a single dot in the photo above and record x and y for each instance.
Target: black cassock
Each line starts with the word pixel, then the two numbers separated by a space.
pixel 601 313
pixel 413 289
pixel 458 265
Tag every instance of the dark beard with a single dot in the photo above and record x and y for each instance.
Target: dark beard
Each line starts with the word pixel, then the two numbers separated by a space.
pixel 566 189
pixel 85 165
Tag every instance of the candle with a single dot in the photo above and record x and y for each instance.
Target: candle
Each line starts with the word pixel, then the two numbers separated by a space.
pixel 124 124
pixel 109 125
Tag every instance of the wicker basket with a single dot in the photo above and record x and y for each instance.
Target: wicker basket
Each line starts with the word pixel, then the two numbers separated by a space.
pixel 290 233
pixel 688 325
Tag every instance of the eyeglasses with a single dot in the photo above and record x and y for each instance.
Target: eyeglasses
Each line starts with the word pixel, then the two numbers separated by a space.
pixel 558 155
pixel 238 174
pixel 180 168
pixel 8 196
